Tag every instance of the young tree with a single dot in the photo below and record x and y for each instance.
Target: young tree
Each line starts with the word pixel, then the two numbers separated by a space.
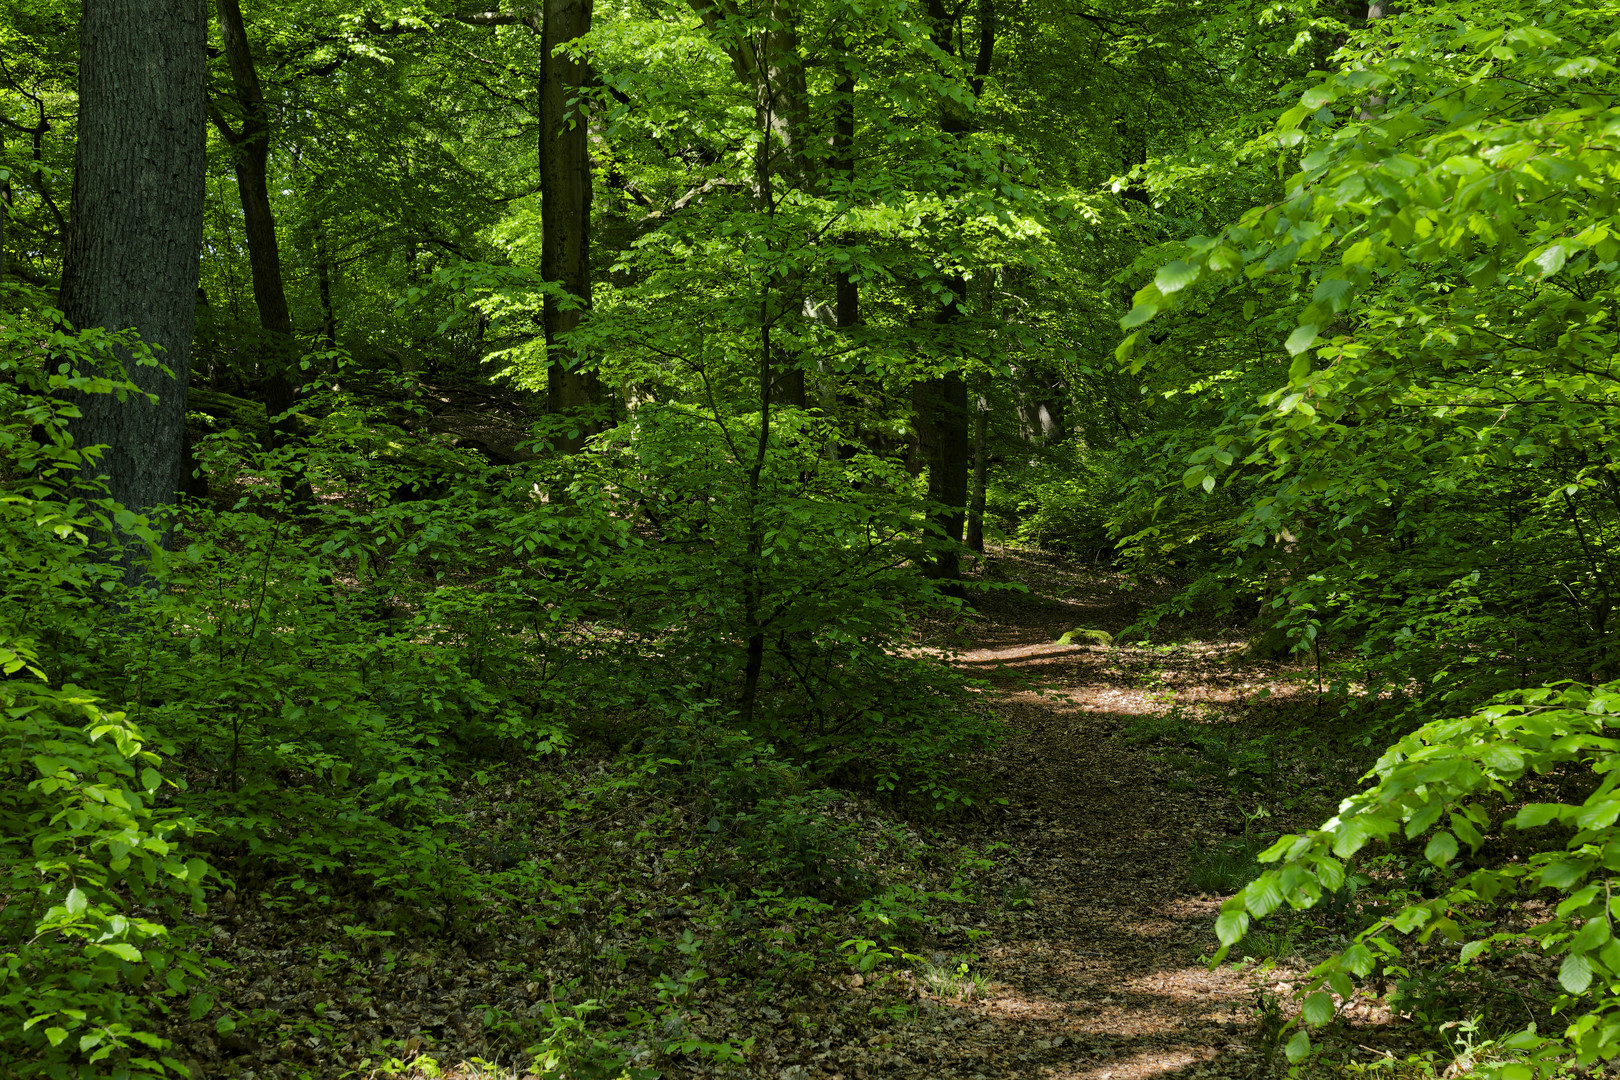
pixel 136 228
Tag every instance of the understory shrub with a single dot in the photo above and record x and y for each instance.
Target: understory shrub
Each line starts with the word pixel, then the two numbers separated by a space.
pixel 1538 877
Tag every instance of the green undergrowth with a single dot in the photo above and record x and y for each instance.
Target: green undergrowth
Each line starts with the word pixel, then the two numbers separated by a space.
pixel 633 914
pixel 395 745
pixel 1431 973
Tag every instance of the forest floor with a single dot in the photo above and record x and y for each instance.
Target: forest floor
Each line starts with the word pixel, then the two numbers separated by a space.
pixel 1138 781
pixel 1099 972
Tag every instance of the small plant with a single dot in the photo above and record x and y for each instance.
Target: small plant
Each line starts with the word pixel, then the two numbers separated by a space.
pixel 1267 945
pixel 1223 870
pixel 955 979
pixel 1018 894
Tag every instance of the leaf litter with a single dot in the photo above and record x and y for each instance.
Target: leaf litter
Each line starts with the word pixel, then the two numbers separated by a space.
pixel 1083 959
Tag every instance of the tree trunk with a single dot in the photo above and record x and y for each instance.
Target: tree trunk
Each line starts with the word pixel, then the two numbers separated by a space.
pixel 846 291
pixel 5 211
pixel 565 210
pixel 250 158
pixel 975 518
pixel 770 64
pixel 942 410
pixel 942 431
pixel 323 277
pixel 133 248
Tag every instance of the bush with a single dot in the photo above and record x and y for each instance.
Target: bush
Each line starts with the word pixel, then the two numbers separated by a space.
pixel 89 865
pixel 1442 782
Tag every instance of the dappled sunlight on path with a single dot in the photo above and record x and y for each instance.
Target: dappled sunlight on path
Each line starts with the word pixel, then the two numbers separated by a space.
pixel 1097 974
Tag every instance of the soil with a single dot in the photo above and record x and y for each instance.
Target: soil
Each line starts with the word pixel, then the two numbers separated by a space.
pixel 1099 976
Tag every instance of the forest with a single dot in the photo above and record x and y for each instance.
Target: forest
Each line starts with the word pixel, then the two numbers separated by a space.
pixel 809 539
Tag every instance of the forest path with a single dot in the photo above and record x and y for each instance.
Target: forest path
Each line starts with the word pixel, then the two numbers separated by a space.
pixel 1098 977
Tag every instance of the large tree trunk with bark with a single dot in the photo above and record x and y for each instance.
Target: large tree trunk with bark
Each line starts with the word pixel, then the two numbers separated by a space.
pixel 136 229
pixel 942 432
pixel 565 209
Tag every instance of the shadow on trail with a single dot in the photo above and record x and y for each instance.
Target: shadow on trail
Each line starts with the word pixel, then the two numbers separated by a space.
pixel 1099 976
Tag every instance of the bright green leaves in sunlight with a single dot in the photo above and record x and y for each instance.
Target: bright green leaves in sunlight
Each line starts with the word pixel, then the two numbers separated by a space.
pixel 1447 774
pixel 1417 411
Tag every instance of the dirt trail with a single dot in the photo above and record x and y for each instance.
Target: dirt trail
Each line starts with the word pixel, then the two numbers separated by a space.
pixel 1097 978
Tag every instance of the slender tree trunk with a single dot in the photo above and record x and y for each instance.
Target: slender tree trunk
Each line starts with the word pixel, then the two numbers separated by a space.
pixel 975 518
pixel 942 402
pixel 565 209
pixel 768 61
pixel 133 247
pixel 846 290
pixel 323 278
pixel 250 158
pixel 5 211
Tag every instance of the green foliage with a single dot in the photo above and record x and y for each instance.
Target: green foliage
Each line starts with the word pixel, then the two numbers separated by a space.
pixel 1415 458
pixel 1064 500
pixel 85 851
pixel 1450 783
pixel 91 864
pixel 1083 636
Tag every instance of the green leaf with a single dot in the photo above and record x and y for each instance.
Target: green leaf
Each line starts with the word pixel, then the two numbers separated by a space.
pixel 124 951
pixel 1317 1010
pixel 55 1035
pixel 1592 935
pixel 1301 339
pixel 1263 895
pixel 1442 848
pixel 1175 276
pixel 1334 292
pixel 200 1005
pixel 1230 926
pixel 1138 315
pixel 1318 96
pixel 1536 815
pixel 1561 875
pixel 1298 1048
pixel 1503 758
pixel 76 901
pixel 1552 260
pixel 1575 974
pixel 1359 959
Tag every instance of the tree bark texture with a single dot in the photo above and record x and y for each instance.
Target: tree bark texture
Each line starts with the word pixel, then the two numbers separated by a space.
pixel 250 158
pixel 942 432
pixel 565 206
pixel 5 211
pixel 323 275
pixel 135 238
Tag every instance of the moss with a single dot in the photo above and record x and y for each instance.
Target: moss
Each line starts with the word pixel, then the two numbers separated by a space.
pixel 1087 637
